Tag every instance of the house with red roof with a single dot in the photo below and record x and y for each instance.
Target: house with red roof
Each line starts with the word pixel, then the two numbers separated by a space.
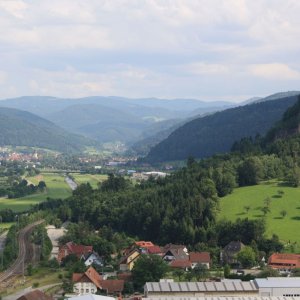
pixel 181 264
pixel 200 258
pixel 284 261
pixel 35 295
pixel 86 283
pixel 72 248
pixel 90 282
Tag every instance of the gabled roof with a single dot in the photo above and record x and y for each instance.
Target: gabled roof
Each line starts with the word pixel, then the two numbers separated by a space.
pixel 178 254
pixel 86 256
pixel 144 244
pixel 89 275
pixel 125 258
pixel 35 295
pixel 200 257
pixel 112 286
pixel 234 246
pixel 78 250
pixel 173 246
pixel 183 264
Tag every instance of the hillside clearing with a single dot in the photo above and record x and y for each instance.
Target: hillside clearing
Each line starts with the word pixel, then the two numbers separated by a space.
pixel 235 205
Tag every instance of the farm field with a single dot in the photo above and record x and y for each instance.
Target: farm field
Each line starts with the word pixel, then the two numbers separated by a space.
pixel 92 179
pixel 234 206
pixel 56 188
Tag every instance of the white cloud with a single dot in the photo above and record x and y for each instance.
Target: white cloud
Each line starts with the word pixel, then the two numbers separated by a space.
pixel 150 47
pixel 275 71
pixel 16 8
pixel 3 77
pixel 202 68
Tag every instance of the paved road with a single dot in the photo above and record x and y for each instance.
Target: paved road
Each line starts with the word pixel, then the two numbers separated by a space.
pixel 23 241
pixel 72 184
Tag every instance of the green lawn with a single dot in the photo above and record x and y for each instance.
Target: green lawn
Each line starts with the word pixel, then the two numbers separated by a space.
pixel 287 228
pixel 92 179
pixel 56 188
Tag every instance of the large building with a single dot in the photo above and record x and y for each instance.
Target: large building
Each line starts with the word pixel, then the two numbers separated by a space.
pixel 278 286
pixel 284 261
pixel 259 287
pixel 168 288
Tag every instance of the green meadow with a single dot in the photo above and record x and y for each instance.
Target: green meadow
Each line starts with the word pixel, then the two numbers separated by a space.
pixel 56 188
pixel 92 179
pixel 247 202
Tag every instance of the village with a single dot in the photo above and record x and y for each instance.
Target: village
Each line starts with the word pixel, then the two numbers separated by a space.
pixel 208 278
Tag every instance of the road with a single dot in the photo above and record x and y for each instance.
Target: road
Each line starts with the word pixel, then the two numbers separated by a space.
pixel 23 241
pixel 72 184
pixel 2 240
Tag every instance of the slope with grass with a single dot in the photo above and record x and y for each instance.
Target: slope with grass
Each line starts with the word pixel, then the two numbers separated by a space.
pixel 286 227
pixel 56 188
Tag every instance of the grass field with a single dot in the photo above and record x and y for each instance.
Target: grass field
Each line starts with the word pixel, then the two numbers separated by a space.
pixel 56 188
pixel 92 179
pixel 287 228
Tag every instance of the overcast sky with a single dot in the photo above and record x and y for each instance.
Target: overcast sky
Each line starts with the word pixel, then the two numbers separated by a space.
pixel 204 49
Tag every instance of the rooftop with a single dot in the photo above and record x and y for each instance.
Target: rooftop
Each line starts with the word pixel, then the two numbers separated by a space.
pixel 223 286
pixel 273 282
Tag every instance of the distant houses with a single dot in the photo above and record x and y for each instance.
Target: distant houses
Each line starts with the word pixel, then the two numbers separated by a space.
pixel 177 256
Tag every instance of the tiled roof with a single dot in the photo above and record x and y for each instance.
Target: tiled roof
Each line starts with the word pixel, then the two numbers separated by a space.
pixel 154 250
pixel 144 244
pixel 35 295
pixel 90 274
pixel 200 257
pixel 112 286
pixel 179 254
pixel 173 246
pixel 78 250
pixel 281 259
pixel 180 264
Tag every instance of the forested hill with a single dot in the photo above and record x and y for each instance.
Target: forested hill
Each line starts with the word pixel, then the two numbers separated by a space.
pixel 21 128
pixel 289 124
pixel 216 133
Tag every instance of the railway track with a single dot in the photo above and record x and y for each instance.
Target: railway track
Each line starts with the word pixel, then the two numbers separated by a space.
pixel 24 246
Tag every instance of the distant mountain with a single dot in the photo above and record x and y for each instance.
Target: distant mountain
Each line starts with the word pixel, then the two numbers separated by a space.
pixel 289 125
pixel 21 128
pixel 216 133
pixel 109 119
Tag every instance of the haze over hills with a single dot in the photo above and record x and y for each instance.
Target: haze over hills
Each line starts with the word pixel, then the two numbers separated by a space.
pixel 21 128
pixel 109 119
pixel 216 133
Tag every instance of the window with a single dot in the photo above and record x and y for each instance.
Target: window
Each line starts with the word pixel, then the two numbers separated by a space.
pixel 86 290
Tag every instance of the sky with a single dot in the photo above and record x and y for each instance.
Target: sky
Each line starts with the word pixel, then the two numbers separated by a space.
pixel 204 49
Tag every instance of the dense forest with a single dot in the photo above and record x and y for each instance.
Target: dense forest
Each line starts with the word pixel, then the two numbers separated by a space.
pixel 216 133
